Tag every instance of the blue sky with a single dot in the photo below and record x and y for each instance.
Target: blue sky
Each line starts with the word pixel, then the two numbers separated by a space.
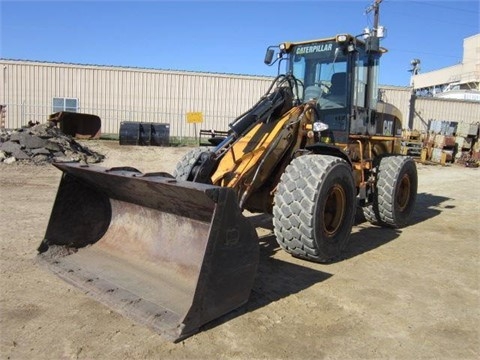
pixel 229 36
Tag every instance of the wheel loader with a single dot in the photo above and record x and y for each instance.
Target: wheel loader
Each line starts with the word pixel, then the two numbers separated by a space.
pixel 176 251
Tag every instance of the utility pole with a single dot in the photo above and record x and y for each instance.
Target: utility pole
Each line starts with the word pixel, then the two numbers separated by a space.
pixel 413 96
pixel 376 15
pixel 377 31
pixel 372 47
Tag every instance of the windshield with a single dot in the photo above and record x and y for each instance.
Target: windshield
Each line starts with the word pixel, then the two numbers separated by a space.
pixel 322 69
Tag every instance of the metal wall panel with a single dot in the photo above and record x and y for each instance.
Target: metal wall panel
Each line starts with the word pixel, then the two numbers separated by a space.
pixel 427 108
pixel 127 94
pixel 400 97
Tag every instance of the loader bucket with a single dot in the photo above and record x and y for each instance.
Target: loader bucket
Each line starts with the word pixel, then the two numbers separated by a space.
pixel 169 254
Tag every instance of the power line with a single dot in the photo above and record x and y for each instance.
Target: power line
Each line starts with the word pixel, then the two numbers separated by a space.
pixel 422 16
pixel 435 4
pixel 458 57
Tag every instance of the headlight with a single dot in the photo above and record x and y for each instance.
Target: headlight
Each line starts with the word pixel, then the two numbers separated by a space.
pixel 283 46
pixel 341 38
pixel 319 126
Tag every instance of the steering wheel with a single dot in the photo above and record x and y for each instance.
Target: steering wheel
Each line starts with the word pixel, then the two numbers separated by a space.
pixel 323 86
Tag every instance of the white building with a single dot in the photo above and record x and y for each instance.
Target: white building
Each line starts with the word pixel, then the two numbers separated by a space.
pixel 461 81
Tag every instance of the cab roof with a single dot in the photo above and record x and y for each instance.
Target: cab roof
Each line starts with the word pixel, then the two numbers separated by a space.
pixel 288 45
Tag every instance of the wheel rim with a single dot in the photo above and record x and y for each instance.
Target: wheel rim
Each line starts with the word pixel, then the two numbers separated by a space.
pixel 334 210
pixel 403 193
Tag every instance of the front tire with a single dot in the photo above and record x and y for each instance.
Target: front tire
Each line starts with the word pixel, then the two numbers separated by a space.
pixel 314 207
pixel 186 163
pixel 395 193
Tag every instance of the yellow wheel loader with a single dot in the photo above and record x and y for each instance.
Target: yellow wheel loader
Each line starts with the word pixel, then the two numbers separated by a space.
pixel 175 251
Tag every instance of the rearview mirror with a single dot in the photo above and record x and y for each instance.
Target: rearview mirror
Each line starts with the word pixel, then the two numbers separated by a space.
pixel 269 56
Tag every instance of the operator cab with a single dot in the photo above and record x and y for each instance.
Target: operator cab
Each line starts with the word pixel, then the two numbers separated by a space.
pixel 322 70
pixel 340 74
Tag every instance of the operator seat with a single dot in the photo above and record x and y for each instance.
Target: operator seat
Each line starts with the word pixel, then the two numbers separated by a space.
pixel 339 84
pixel 338 88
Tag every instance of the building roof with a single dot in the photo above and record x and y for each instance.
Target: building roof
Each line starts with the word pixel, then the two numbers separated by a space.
pixel 133 68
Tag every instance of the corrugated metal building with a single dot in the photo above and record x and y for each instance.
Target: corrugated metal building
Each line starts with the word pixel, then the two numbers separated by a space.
pixel 33 90
pixel 418 111
pixel 398 96
pixel 431 108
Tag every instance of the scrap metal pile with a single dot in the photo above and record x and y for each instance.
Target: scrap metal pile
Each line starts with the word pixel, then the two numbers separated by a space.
pixel 43 144
pixel 445 142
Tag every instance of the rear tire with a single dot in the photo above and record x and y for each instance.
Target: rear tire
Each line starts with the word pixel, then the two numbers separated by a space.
pixel 184 166
pixel 314 207
pixel 395 193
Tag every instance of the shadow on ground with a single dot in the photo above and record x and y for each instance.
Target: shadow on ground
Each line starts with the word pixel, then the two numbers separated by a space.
pixel 428 206
pixel 295 278
pixel 371 237
pixel 267 288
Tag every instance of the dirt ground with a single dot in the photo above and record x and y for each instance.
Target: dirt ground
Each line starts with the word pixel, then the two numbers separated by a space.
pixel 407 294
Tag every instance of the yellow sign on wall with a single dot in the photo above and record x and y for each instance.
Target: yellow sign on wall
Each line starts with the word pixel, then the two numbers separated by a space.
pixel 194 117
